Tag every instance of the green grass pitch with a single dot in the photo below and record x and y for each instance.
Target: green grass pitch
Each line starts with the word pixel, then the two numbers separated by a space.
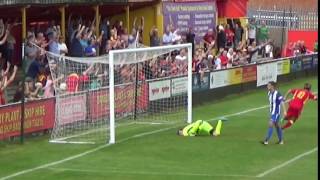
pixel 155 152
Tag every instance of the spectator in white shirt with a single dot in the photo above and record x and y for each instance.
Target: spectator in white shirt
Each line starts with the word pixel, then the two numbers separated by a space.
pixel 167 37
pixel 176 37
pixel 217 63
pixel 62 46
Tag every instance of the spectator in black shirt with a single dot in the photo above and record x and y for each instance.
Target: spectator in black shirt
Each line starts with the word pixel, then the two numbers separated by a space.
pixel 190 37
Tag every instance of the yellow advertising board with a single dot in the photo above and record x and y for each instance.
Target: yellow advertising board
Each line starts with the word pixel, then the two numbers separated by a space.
pixel 235 76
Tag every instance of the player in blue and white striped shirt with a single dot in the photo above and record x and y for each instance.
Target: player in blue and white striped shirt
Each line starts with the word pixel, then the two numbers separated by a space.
pixel 276 100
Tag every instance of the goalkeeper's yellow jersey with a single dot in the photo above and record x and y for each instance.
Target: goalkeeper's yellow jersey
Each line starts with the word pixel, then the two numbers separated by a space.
pixel 197 128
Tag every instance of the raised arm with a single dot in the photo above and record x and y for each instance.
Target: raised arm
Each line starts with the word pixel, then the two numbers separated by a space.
pixel 100 37
pixel 69 20
pixel 142 23
pixel 134 23
pixel 80 30
pixel 4 39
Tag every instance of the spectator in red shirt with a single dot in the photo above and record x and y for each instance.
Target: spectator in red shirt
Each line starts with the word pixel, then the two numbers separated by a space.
pixel 288 50
pixel 224 59
pixel 229 36
pixel 72 82
pixel 208 39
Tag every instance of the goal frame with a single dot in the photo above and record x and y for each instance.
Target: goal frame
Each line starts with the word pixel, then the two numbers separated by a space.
pixel 112 138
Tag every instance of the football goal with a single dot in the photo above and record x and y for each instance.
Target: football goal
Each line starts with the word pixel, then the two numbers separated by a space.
pixel 149 85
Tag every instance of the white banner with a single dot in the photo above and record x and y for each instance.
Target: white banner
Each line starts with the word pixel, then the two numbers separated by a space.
pixel 266 72
pixel 72 108
pixel 179 85
pixel 219 79
pixel 159 90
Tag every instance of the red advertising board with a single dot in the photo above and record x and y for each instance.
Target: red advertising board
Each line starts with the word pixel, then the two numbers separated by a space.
pixel 249 73
pixel 124 100
pixel 72 108
pixel 39 115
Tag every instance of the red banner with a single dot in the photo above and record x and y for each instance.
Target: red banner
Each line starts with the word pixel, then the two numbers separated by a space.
pixel 249 73
pixel 124 100
pixel 39 115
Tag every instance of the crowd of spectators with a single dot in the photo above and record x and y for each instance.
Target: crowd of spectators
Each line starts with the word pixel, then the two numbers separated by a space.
pixel 222 47
pixel 296 48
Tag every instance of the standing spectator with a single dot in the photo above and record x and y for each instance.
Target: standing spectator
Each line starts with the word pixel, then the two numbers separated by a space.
pixel 50 29
pixel 139 29
pixel 263 33
pixel 11 41
pixel 190 37
pixel 229 36
pixel 288 50
pixel 302 47
pixel 208 39
pixel 181 61
pixel 124 38
pixel 296 49
pixel 132 39
pixel 49 87
pixel 62 46
pixel 217 63
pixel 90 51
pixel 34 69
pixel 4 33
pixel 31 91
pixel 105 27
pixel 119 27
pixel 230 56
pixel 76 49
pixel 238 32
pixel 176 39
pixel 54 43
pixel 253 51
pixel 221 38
pixel 154 37
pixel 224 59
pixel 269 50
pixel 41 40
pixel 31 52
pixel 167 38
pixel 197 68
pixel 4 82
pixel 252 31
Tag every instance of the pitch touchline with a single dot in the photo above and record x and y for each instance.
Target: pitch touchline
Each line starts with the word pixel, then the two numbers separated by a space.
pixel 106 145
pixel 287 162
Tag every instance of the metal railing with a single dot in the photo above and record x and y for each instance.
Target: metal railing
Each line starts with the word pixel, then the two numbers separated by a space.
pixel 291 19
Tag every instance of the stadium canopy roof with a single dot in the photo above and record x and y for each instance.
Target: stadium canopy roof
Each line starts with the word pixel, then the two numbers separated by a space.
pixel 48 9
pixel 57 2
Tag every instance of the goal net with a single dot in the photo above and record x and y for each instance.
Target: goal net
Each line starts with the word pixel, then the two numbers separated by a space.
pixel 129 88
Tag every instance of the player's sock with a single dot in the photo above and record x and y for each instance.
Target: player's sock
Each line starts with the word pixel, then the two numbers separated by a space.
pixel 218 128
pixel 289 123
pixel 270 130
pixel 279 132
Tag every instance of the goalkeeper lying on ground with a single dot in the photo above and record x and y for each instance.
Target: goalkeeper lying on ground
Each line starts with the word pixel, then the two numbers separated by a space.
pixel 200 128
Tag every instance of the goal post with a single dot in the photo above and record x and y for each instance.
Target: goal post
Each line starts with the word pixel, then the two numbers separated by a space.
pixel 148 54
